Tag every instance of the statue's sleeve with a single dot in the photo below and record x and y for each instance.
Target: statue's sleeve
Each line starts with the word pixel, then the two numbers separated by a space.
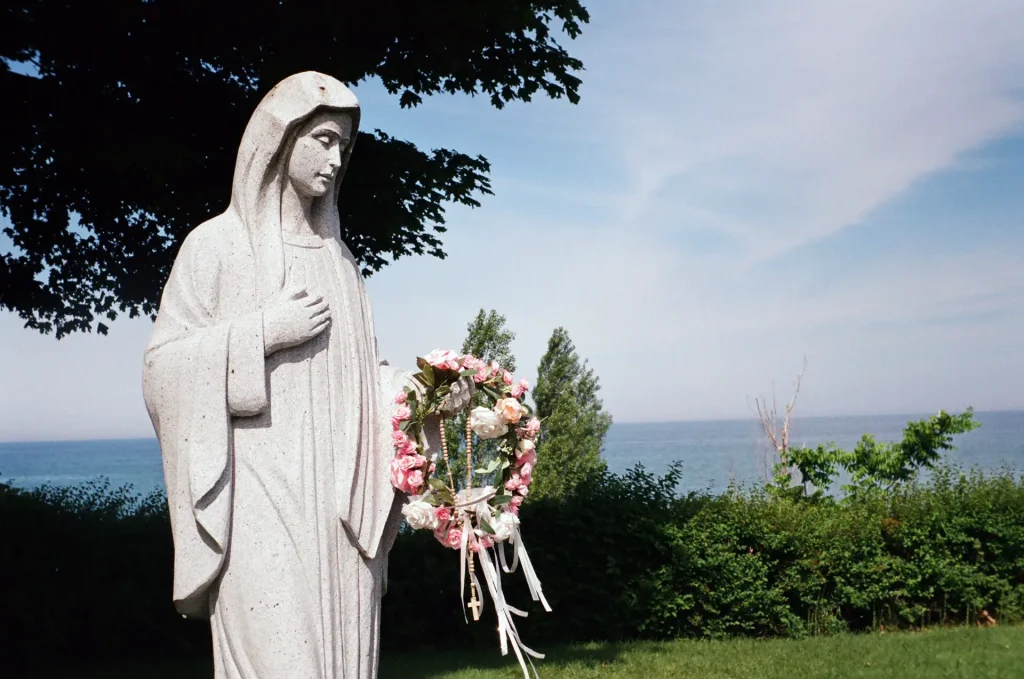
pixel 191 393
pixel 247 381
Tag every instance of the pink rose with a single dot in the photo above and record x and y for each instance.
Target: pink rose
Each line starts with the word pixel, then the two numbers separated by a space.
pixel 444 359
pixel 482 371
pixel 402 397
pixel 443 514
pixel 397 475
pixel 513 483
pixel 509 409
pixel 526 474
pixel 399 438
pixel 529 458
pixel 469 362
pixel 409 448
pixel 401 415
pixel 514 503
pixel 454 538
pixel 413 481
pixel 506 377
pixel 523 490
pixel 409 462
pixel 531 429
pixel 525 447
pixel 521 388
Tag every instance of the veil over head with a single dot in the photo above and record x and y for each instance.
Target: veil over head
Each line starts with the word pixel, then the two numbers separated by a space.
pixel 261 164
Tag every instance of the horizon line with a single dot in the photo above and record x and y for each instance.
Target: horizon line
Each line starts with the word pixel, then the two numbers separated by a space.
pixel 752 420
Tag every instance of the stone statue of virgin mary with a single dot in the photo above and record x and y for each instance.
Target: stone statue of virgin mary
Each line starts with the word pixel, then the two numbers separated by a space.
pixel 263 384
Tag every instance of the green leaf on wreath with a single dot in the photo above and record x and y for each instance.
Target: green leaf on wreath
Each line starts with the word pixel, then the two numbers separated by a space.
pixel 486 527
pixel 437 484
pixel 502 499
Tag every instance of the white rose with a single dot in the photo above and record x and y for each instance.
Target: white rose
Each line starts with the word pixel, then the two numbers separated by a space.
pixel 503 525
pixel 486 423
pixel 420 515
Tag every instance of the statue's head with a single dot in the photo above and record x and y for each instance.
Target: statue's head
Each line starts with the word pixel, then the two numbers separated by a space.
pixel 321 141
pixel 301 133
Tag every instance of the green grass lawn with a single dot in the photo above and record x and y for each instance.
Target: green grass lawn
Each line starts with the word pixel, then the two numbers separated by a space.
pixel 965 652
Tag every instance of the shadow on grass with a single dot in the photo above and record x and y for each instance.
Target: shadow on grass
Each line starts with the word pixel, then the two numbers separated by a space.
pixel 420 665
pixel 444 663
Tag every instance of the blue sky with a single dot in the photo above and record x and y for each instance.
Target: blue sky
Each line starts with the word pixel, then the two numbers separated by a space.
pixel 743 184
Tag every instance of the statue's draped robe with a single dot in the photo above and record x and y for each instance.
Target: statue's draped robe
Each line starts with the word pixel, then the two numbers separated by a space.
pixel 276 467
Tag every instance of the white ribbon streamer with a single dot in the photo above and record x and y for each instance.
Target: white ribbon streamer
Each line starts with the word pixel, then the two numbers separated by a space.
pixel 489 559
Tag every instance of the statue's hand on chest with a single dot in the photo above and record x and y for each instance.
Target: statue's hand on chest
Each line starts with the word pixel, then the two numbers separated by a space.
pixel 295 316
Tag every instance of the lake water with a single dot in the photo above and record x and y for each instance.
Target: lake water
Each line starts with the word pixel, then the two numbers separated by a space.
pixel 712 453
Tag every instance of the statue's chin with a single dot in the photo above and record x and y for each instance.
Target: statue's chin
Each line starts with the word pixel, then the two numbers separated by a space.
pixel 316 189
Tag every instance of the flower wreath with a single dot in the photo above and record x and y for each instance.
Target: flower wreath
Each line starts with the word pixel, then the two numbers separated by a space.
pixel 477 520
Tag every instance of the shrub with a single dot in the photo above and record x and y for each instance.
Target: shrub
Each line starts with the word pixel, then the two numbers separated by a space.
pixel 88 574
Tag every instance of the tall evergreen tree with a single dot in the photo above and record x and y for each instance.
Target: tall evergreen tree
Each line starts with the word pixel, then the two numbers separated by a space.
pixel 486 338
pixel 574 423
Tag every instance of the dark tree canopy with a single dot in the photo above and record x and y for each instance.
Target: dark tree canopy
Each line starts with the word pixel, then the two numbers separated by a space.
pixel 133 116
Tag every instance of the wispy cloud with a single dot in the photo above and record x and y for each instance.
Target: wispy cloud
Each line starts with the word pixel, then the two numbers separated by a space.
pixel 788 121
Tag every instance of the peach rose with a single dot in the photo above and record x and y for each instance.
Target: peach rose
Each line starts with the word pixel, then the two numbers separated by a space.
pixel 509 409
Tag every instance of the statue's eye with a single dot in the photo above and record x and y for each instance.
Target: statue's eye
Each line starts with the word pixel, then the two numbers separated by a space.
pixel 324 139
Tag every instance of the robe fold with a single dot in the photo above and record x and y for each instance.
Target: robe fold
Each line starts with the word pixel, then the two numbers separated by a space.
pixel 276 467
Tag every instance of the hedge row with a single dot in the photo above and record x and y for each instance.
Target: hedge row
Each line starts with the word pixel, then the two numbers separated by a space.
pixel 87 570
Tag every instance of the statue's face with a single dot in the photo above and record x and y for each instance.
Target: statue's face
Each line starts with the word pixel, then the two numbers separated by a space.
pixel 316 155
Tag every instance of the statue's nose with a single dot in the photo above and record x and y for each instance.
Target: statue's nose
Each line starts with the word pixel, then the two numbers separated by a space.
pixel 335 160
